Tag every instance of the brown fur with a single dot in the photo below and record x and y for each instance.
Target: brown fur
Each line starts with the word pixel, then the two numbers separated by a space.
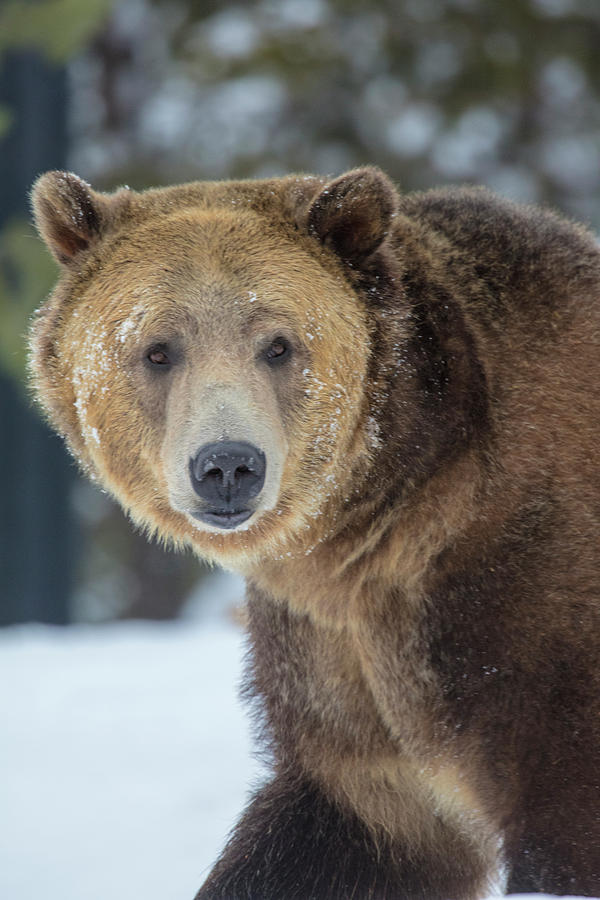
pixel 423 564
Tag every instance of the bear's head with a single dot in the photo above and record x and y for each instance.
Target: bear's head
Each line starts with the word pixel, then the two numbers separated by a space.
pixel 206 351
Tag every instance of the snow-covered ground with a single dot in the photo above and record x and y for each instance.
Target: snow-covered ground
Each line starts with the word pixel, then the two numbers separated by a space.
pixel 124 754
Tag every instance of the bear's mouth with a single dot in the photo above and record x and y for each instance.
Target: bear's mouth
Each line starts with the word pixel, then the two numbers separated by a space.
pixel 223 518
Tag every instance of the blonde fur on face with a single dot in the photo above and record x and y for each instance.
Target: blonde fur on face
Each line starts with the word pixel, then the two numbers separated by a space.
pixel 176 281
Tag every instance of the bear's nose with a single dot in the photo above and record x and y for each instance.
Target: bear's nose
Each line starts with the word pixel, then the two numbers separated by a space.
pixel 227 474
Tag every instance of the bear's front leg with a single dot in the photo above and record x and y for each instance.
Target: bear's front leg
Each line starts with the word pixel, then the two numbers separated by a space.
pixel 293 843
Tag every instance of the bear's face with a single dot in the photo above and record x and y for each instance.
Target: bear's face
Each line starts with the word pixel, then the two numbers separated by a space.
pixel 208 369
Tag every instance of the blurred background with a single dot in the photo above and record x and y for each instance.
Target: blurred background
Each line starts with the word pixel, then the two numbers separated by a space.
pixel 145 92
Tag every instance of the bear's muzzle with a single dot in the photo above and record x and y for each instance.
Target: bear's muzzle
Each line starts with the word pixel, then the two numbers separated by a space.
pixel 227 476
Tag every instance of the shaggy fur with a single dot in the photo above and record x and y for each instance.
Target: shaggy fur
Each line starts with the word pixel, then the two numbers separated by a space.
pixel 423 563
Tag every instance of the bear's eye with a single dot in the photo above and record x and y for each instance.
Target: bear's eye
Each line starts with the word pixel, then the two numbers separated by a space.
pixel 277 351
pixel 158 356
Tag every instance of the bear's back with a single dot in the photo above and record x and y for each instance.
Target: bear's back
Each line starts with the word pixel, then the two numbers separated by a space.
pixel 527 257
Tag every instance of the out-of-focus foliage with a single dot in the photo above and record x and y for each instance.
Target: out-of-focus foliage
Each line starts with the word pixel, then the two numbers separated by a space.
pixel 58 28
pixel 26 273
pixel 501 92
pixel 6 120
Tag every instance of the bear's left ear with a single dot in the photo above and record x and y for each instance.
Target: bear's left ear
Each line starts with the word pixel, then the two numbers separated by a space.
pixel 68 214
pixel 353 213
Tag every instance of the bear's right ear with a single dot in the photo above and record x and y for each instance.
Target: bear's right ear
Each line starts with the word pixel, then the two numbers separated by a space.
pixel 67 214
pixel 353 214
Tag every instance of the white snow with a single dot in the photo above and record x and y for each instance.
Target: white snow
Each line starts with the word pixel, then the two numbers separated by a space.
pixel 125 756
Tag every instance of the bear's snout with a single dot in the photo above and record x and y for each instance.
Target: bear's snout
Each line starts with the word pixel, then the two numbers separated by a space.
pixel 227 475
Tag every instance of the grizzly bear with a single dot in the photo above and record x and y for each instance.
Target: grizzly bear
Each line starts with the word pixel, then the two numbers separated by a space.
pixel 384 410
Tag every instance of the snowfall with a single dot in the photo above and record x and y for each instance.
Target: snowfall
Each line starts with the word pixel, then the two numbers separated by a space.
pixel 125 756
